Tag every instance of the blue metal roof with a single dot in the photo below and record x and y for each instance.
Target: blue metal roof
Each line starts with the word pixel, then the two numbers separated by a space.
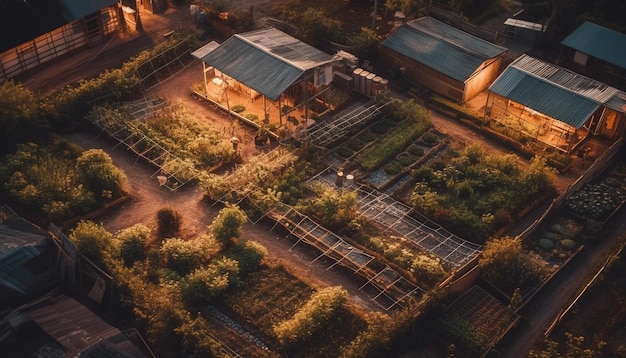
pixel 442 47
pixel 600 42
pixel 268 61
pixel 554 91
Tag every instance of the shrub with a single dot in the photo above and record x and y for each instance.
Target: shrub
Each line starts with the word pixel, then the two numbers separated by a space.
pixel 252 116
pixel 227 224
pixel 546 244
pixel 204 283
pixel 92 240
pixel 96 171
pixel 238 108
pixel 249 255
pixel 567 244
pixel 407 159
pixel 430 139
pixel 169 222
pixel 416 151
pixel 311 317
pixel 393 168
pixel 133 243
pixel 180 255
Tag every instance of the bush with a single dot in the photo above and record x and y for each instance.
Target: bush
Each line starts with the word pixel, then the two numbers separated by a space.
pixel 567 244
pixel 238 108
pixel 180 255
pixel 393 168
pixel 92 241
pixel 205 283
pixel 546 244
pixel 430 139
pixel 96 171
pixel 252 116
pixel 311 317
pixel 169 222
pixel 249 255
pixel 416 151
pixel 406 159
pixel 227 224
pixel 133 242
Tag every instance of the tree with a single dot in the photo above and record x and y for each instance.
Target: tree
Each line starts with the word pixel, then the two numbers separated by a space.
pixel 180 255
pixel 506 265
pixel 316 29
pixel 365 44
pixel 227 224
pixel 249 255
pixel 169 222
pixel 20 115
pixel 96 171
pixel 132 243
pixel 205 283
pixel 312 317
pixel 92 240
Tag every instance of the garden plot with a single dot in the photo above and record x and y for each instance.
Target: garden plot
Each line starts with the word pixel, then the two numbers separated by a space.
pixel 597 201
pixel 326 133
pixel 385 286
pixel 476 321
pixel 393 215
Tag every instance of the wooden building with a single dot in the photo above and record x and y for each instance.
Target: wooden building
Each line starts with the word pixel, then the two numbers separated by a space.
pixel 38 31
pixel 597 52
pixel 554 105
pixel 270 71
pixel 442 58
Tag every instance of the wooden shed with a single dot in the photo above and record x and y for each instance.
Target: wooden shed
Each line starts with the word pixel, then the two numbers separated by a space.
pixel 597 52
pixel 554 105
pixel 37 31
pixel 444 59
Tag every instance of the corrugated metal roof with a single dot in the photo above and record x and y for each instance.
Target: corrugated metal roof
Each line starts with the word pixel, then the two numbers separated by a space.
pixel 205 50
pixel 76 328
pixel 442 47
pixel 22 21
pixel 555 91
pixel 268 61
pixel 599 42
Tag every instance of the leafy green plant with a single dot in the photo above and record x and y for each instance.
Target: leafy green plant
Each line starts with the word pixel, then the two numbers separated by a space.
pixel 238 108
pixel 398 139
pixel 311 317
pixel 252 116
pixel 393 168
pixel 132 243
pixel 430 139
pixel 169 222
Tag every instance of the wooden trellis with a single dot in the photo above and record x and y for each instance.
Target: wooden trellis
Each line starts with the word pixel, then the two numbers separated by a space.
pixel 325 133
pixel 386 287
pixel 400 220
pixel 172 172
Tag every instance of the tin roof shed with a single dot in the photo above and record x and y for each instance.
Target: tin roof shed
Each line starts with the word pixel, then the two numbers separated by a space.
pixel 268 60
pixel 599 42
pixel 22 21
pixel 557 92
pixel 442 47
